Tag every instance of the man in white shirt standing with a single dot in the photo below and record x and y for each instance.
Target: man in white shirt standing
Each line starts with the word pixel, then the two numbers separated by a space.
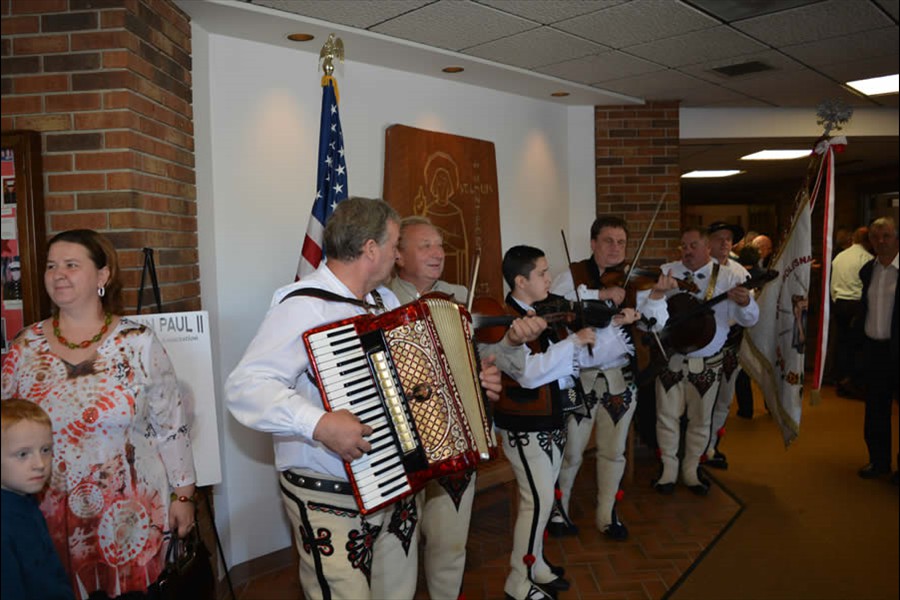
pixel 446 502
pixel 880 307
pixel 689 383
pixel 343 553
pixel 846 294
pixel 721 235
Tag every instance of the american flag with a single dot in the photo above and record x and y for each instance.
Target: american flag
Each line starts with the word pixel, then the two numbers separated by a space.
pixel 331 181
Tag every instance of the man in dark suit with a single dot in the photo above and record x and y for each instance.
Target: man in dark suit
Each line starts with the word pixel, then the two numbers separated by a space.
pixel 880 322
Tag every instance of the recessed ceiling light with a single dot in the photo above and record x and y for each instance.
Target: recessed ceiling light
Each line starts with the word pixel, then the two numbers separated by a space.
pixel 301 37
pixel 452 69
pixel 877 85
pixel 710 174
pixel 776 155
pixel 559 94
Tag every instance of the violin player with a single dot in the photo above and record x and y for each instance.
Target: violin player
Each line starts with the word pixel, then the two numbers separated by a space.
pixel 721 238
pixel 611 385
pixel 530 417
pixel 689 383
pixel 446 502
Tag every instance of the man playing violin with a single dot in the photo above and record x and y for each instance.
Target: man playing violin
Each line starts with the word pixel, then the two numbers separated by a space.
pixel 721 236
pixel 447 502
pixel 611 385
pixel 530 417
pixel 690 381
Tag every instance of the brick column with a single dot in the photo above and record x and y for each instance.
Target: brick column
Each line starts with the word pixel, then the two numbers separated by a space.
pixel 637 163
pixel 108 84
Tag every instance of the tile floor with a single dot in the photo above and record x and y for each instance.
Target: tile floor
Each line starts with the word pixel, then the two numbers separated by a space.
pixel 668 534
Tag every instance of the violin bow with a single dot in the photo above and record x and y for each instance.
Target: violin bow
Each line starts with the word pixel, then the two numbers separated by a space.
pixel 634 262
pixel 475 267
pixel 640 249
pixel 590 347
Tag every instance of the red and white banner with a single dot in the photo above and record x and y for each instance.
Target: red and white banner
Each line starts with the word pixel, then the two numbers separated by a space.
pixel 774 350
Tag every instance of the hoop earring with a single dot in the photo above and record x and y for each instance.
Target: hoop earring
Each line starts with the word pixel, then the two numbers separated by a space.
pixel 101 291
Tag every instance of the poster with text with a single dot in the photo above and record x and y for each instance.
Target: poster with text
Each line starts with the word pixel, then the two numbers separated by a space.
pixel 185 336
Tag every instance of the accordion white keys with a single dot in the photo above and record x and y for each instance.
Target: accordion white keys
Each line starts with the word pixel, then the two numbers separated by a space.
pixel 411 374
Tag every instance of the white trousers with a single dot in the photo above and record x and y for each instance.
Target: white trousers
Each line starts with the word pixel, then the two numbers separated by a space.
pixel 445 528
pixel 535 458
pixel 688 387
pixel 610 438
pixel 345 555
pixel 724 397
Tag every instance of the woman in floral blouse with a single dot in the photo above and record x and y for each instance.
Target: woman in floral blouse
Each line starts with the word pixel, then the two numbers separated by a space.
pixel 123 473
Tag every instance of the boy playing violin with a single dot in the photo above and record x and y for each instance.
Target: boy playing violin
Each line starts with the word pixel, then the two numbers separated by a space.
pixel 531 421
pixel 610 384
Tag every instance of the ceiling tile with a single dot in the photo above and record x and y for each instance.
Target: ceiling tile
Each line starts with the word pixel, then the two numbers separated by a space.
pixel 794 88
pixel 732 10
pixel 696 47
pixel 637 22
pixel 669 85
pixel 773 58
pixel 862 68
pixel 867 44
pixel 355 13
pixel 454 25
pixel 824 20
pixel 599 68
pixel 891 6
pixel 550 11
pixel 535 48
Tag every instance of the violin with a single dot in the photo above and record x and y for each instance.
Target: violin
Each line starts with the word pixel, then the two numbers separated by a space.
pixel 640 279
pixel 491 319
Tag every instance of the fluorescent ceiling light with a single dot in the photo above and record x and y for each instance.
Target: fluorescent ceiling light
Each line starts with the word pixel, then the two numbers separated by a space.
pixel 776 155
pixel 877 85
pixel 701 174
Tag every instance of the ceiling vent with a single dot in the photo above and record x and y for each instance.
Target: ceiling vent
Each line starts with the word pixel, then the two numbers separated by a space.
pixel 754 66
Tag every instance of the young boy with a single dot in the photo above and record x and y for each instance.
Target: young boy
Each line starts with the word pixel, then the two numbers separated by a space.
pixel 31 567
pixel 530 418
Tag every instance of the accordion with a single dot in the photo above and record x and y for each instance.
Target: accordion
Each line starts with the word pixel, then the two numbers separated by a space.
pixel 411 375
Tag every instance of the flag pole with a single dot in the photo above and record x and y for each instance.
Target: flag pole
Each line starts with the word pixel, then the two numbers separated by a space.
pixel 331 176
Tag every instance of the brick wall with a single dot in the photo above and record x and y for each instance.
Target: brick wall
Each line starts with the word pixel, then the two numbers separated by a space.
pixel 108 85
pixel 637 163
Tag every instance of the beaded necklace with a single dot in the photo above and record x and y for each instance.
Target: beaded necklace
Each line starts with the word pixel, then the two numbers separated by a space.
pixel 85 343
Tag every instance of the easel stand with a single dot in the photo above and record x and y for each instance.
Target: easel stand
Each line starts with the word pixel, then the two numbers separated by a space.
pixel 150 269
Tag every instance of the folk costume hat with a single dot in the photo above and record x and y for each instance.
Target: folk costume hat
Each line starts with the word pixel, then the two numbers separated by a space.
pixel 737 232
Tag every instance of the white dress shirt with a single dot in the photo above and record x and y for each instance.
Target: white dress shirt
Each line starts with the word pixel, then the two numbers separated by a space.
pixel 845 281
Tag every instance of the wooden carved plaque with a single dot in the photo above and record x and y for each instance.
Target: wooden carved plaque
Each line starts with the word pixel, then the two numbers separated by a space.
pixel 452 180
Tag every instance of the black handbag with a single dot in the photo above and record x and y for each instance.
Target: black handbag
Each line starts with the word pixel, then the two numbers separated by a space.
pixel 188 572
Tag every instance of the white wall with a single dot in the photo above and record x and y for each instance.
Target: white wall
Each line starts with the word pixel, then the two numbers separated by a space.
pixel 256 112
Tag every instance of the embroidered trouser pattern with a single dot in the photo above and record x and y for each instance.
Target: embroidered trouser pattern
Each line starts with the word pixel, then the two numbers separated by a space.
pixel 610 436
pixel 446 512
pixel 692 394
pixel 535 458
pixel 725 396
pixel 346 555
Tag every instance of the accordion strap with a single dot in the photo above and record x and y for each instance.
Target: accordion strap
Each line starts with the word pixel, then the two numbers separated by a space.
pixel 332 297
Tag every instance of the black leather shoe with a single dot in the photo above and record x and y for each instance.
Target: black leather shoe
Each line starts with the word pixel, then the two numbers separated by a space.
pixel 870 471
pixel 666 489
pixel 559 584
pixel 718 461
pixel 699 489
pixel 616 531
pixel 557 529
pixel 745 415
pixel 537 592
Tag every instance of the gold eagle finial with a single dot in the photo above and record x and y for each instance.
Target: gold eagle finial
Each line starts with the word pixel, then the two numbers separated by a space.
pixel 333 49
